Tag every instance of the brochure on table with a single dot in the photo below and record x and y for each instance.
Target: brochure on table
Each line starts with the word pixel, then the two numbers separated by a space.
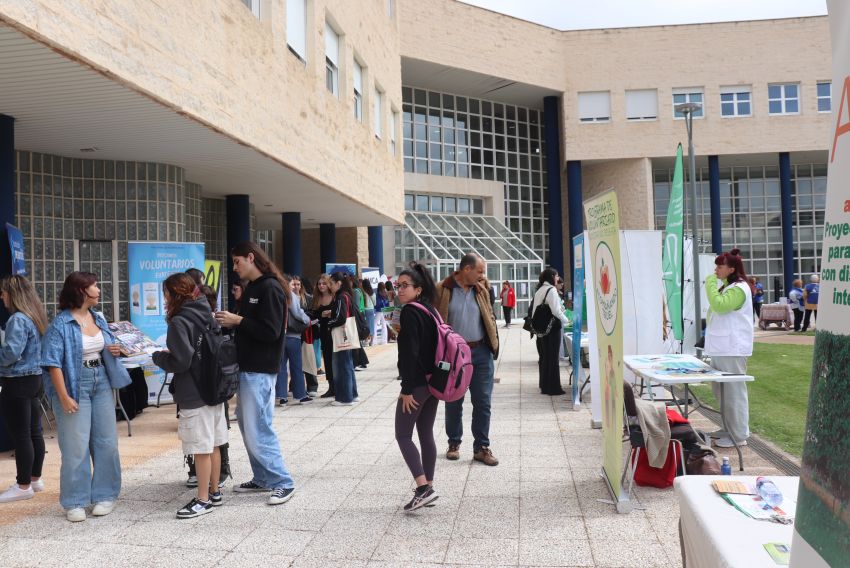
pixel 822 527
pixel 150 263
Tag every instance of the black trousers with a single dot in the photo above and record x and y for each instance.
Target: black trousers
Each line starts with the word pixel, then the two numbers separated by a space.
pixel 507 314
pixel 548 350
pixel 327 357
pixel 798 319
pixel 22 415
pixel 808 317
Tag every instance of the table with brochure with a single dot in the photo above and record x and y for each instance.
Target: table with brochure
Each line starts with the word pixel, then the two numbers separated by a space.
pixel 715 533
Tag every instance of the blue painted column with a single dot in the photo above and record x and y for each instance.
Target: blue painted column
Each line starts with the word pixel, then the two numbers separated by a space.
pixel 238 210
pixel 714 198
pixel 574 205
pixel 788 265
pixel 8 205
pixel 327 244
pixel 376 247
pixel 552 133
pixel 292 243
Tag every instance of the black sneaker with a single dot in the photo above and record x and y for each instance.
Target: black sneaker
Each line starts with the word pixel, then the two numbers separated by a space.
pixel 280 495
pixel 194 508
pixel 216 499
pixel 249 487
pixel 329 394
pixel 422 496
pixel 305 400
pixel 282 402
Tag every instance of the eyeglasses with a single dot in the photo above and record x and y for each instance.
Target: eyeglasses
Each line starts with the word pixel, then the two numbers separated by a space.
pixel 403 286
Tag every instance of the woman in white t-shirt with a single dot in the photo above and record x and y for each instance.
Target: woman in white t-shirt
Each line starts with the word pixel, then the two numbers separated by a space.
pixel 549 345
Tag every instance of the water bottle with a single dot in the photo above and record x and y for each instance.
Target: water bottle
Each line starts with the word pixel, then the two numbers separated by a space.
pixel 768 491
pixel 726 468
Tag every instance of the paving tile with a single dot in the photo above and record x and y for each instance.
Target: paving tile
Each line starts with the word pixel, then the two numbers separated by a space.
pixel 275 541
pixel 530 506
pixel 252 560
pixel 25 552
pixel 557 551
pixel 483 551
pixel 615 554
pixel 542 527
pixel 624 528
pixel 400 549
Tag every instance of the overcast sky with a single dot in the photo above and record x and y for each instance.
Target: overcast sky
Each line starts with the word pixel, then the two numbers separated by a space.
pixel 590 14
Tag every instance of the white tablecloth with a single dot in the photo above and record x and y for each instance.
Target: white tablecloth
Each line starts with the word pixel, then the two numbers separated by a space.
pixel 716 535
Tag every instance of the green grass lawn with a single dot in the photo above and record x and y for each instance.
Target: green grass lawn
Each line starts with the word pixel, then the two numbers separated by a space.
pixel 779 397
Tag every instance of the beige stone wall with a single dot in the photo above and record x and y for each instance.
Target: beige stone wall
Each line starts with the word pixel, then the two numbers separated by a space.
pixel 214 61
pixel 632 180
pixel 708 56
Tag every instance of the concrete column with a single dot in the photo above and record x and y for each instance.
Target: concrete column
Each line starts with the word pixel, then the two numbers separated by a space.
pixel 292 243
pixel 327 244
pixel 788 265
pixel 574 206
pixel 8 205
pixel 714 198
pixel 376 247
pixel 552 133
pixel 238 211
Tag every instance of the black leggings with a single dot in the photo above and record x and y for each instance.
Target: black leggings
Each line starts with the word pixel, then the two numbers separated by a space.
pixel 327 357
pixel 507 314
pixel 22 415
pixel 423 418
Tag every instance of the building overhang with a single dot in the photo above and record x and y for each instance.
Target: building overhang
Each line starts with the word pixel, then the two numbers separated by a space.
pixel 62 105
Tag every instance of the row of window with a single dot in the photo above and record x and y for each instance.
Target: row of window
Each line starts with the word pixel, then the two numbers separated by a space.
pixel 443 204
pixel 735 101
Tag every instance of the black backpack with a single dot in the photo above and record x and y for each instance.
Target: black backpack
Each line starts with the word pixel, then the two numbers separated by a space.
pixel 215 369
pixel 539 322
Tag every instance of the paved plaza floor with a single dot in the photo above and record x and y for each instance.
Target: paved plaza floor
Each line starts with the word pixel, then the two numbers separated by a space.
pixel 539 507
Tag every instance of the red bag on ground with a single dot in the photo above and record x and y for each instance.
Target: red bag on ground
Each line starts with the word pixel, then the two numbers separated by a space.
pixel 673 417
pixel 661 477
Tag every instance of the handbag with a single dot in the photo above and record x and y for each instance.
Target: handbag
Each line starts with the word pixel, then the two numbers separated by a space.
pixel 345 337
pixel 115 371
pixel 308 354
pixel 540 319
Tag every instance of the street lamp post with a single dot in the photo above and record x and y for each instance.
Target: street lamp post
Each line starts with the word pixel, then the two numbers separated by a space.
pixel 688 109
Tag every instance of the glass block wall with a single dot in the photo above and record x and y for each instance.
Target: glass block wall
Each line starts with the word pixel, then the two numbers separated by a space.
pixel 751 217
pixel 452 135
pixel 86 210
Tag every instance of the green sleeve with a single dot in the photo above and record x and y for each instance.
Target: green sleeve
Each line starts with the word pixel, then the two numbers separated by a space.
pixel 731 299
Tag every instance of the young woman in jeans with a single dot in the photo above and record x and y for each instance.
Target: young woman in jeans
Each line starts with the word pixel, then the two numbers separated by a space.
pixel 20 378
pixel 78 352
pixel 323 301
pixel 416 406
pixel 343 364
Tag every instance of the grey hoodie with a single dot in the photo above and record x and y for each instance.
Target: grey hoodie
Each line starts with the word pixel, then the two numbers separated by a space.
pixel 183 331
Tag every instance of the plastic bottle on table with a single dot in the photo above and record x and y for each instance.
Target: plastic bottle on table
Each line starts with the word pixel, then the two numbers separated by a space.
pixel 726 468
pixel 768 491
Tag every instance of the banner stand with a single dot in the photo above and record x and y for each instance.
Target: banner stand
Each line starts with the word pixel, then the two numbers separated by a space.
pixel 578 321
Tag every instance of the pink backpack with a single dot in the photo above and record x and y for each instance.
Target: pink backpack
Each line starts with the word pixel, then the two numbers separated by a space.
pixel 452 360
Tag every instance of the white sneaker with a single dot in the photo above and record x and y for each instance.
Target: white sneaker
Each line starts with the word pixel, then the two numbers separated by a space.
pixel 356 399
pixel 103 508
pixel 726 442
pixel 37 486
pixel 338 403
pixel 312 393
pixel 15 493
pixel 76 515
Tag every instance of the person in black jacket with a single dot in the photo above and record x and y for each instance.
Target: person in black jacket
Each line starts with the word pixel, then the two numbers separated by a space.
pixel 201 428
pixel 260 327
pixel 345 385
pixel 417 343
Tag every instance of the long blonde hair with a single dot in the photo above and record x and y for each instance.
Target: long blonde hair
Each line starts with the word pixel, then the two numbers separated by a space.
pixel 22 298
pixel 317 294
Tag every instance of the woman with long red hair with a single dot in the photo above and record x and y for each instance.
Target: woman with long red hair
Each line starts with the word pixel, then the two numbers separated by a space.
pixel 729 340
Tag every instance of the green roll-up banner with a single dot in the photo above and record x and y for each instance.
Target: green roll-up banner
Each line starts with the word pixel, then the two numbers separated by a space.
pixel 671 259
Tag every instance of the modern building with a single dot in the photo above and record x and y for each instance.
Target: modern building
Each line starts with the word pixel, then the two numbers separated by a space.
pixel 382 131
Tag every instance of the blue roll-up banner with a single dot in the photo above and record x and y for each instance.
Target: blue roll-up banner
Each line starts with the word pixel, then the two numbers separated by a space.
pixel 351 269
pixel 16 243
pixel 150 263
pixel 578 310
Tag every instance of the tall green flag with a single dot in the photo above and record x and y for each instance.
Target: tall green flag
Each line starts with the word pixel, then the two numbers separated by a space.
pixel 671 259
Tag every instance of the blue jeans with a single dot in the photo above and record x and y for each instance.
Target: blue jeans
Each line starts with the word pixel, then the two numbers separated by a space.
pixel 254 413
pixel 291 354
pixel 87 438
pixel 317 346
pixel 481 392
pixel 370 321
pixel 345 385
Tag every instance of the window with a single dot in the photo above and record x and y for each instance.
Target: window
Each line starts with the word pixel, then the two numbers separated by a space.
pixel 331 60
pixel 358 91
pixel 783 98
pixel 594 106
pixel 824 96
pixel 393 129
pixel 642 104
pixel 422 203
pixel 437 204
pixel 296 27
pixel 688 95
pixel 408 201
pixel 463 205
pixel 735 101
pixel 254 6
pixel 450 204
pixel 378 118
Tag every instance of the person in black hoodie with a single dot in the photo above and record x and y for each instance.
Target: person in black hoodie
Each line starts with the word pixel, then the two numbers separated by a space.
pixel 201 428
pixel 260 327
pixel 417 344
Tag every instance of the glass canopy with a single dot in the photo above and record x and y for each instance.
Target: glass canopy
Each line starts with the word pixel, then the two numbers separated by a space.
pixel 439 240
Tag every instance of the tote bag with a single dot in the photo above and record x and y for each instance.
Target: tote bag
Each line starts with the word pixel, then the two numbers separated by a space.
pixel 345 336
pixel 308 354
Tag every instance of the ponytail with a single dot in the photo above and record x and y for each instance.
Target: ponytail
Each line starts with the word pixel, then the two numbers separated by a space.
pixel 421 278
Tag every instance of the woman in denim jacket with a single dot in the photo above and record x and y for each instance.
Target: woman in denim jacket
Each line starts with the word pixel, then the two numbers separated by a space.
pixel 79 353
pixel 20 377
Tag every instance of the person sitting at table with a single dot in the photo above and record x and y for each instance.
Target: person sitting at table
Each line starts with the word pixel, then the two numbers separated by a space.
pixel 79 353
pixel 729 340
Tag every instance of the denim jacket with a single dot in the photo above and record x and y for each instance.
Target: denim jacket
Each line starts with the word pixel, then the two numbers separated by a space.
pixel 20 355
pixel 62 347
